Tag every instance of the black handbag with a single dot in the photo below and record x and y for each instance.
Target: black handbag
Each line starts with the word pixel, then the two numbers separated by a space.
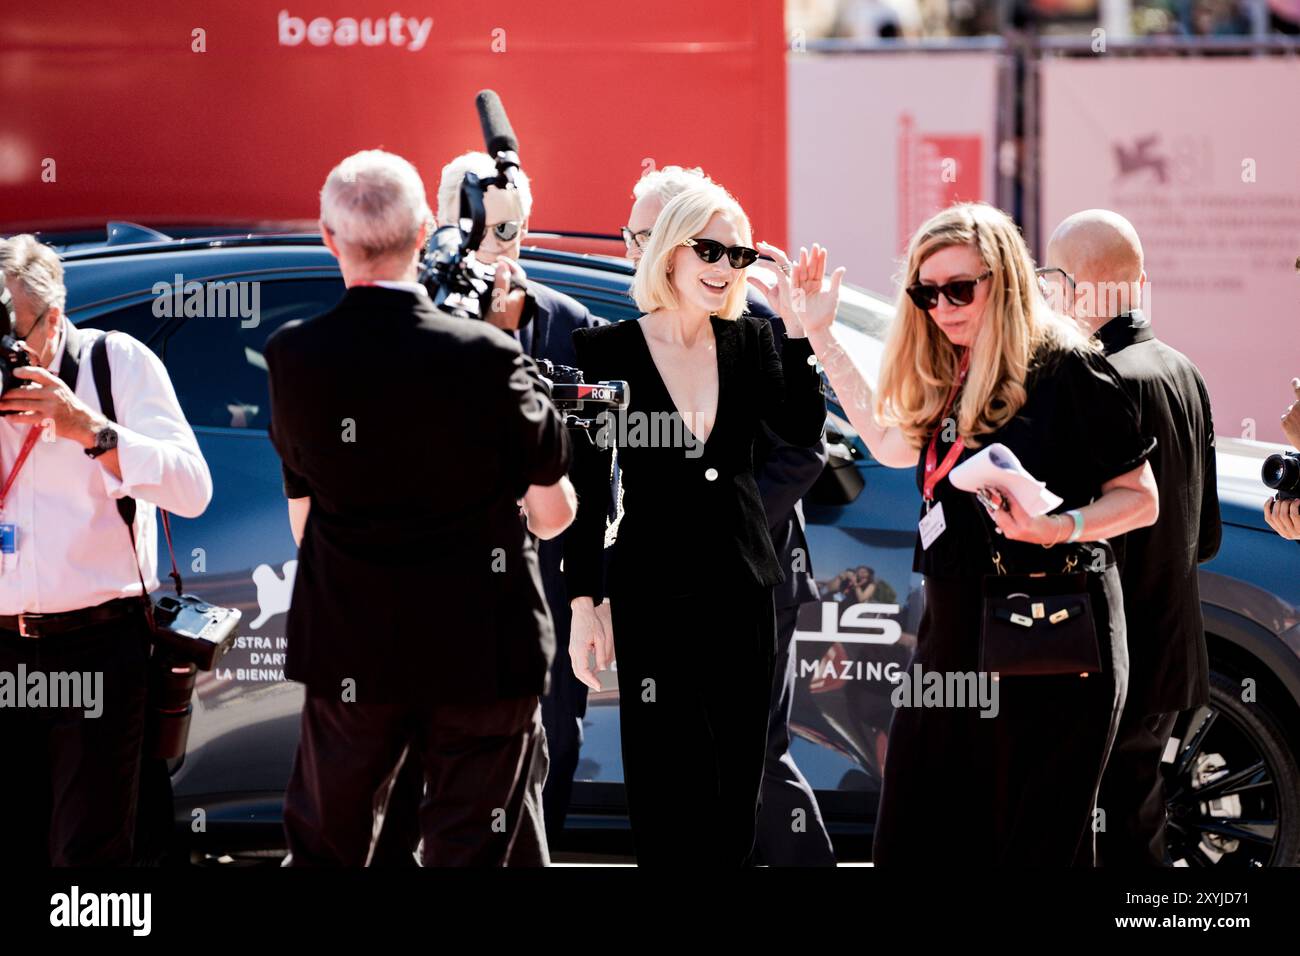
pixel 1037 624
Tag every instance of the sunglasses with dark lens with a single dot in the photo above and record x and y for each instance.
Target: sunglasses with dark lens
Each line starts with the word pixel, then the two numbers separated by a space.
pixel 710 250
pixel 506 231
pixel 638 239
pixel 957 291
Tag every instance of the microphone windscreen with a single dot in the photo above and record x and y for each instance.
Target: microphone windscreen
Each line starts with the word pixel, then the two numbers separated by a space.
pixel 497 133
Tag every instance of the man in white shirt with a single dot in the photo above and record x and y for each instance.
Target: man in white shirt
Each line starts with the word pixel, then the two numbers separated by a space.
pixel 71 603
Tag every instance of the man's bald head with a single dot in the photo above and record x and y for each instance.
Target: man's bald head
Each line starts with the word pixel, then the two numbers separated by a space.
pixel 1101 250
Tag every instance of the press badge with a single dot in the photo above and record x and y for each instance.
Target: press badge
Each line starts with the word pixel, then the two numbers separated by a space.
pixel 932 525
pixel 8 538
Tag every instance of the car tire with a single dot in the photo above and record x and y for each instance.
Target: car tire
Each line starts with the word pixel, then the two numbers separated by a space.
pixel 1232 788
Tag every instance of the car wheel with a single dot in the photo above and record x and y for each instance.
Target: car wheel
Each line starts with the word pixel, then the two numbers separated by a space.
pixel 1231 787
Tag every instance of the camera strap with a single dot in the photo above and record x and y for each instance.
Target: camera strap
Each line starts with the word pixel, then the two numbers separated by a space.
pixel 28 444
pixel 34 433
pixel 125 506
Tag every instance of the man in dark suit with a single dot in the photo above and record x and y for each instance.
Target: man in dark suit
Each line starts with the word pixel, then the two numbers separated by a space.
pixel 417 623
pixel 544 329
pixel 791 831
pixel 1100 281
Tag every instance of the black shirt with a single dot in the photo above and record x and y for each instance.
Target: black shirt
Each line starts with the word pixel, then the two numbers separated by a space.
pixel 1168 660
pixel 1077 429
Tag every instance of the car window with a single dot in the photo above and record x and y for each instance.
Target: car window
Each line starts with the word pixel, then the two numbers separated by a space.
pixel 137 321
pixel 216 363
pixel 607 306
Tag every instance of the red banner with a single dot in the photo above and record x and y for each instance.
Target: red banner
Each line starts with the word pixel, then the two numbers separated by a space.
pixel 237 111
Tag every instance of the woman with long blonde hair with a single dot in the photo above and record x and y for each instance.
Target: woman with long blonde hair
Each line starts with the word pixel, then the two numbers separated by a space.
pixel 976 357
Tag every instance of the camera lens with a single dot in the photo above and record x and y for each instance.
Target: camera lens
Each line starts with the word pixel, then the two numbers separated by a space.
pixel 1282 473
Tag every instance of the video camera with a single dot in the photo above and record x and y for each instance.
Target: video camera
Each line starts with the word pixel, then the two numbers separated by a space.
pixel 1281 473
pixel 571 394
pixel 461 285
pixel 457 281
pixel 12 354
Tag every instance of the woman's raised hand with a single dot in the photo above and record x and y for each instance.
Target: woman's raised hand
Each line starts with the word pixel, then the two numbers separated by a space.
pixel 799 296
pixel 819 303
pixel 780 297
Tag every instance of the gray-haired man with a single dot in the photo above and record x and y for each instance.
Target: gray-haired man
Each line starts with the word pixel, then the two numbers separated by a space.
pixel 72 587
pixel 418 623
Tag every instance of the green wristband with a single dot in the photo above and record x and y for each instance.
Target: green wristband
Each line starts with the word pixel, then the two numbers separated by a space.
pixel 1078 526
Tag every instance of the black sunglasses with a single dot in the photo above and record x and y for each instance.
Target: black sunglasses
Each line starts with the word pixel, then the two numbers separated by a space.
pixel 956 291
pixel 638 239
pixel 506 231
pixel 710 250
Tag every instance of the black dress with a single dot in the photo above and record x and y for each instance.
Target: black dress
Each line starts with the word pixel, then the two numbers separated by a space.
pixel 690 586
pixel 1018 788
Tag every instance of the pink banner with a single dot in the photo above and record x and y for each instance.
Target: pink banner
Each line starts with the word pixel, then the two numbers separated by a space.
pixel 1203 156
pixel 878 143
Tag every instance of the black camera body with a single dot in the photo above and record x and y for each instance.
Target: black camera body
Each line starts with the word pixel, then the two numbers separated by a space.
pixel 1282 474
pixel 13 355
pixel 457 282
pixel 193 630
pixel 572 395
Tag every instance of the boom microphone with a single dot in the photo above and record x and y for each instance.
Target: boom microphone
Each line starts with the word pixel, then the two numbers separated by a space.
pixel 497 134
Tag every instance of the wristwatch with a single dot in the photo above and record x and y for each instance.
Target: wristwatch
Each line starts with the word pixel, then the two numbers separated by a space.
pixel 105 441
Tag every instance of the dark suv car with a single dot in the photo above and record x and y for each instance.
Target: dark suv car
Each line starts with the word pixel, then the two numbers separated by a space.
pixel 1234 789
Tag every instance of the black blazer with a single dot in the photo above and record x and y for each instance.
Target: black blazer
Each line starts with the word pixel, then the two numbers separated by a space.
pixel 704 511
pixel 785 473
pixel 549 334
pixel 1162 601
pixel 416 577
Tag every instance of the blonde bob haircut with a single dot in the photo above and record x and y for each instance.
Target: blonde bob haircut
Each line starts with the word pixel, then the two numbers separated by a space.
pixel 685 217
pixel 920 365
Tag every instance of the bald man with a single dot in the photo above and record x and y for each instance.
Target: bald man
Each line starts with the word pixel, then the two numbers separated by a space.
pixel 1099 277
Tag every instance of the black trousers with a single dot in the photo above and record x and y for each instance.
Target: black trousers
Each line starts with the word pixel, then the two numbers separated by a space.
pixel 1133 794
pixel 482 768
pixel 694 677
pixel 790 827
pixel 562 712
pixel 71 781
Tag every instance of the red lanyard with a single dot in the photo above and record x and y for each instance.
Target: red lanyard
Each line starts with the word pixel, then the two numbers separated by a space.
pixel 28 444
pixel 935 475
